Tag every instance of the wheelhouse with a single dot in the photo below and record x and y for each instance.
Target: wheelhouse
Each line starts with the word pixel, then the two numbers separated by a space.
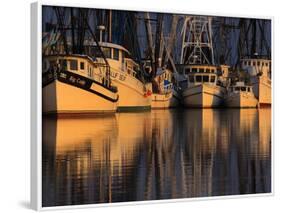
pixel 259 62
pixel 198 74
pixel 237 89
pixel 78 64
pixel 110 51
pixel 117 56
pixel 164 79
pixel 257 66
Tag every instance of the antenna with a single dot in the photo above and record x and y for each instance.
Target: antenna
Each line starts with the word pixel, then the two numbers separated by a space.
pixel 197 46
pixel 101 28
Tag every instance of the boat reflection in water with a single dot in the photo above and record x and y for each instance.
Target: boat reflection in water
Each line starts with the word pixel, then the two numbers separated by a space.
pixel 160 154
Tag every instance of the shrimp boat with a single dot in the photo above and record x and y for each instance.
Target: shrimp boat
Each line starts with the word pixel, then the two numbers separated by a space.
pixel 158 65
pixel 76 84
pixel 166 96
pixel 259 70
pixel 125 74
pixel 241 96
pixel 256 59
pixel 202 89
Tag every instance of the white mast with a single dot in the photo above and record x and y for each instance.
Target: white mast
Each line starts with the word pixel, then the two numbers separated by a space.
pixel 149 34
pixel 197 46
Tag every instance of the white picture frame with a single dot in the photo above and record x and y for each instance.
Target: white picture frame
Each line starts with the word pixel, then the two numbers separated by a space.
pixel 36 110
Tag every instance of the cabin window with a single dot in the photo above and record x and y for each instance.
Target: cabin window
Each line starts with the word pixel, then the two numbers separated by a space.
pixel 123 57
pixel 63 64
pixel 135 68
pixel 249 63
pixel 243 89
pixel 194 70
pixel 205 78
pixel 258 63
pixel 107 52
pixel 198 78
pixel 213 78
pixel 245 62
pixel 95 51
pixel 266 64
pixel 201 70
pixel 212 71
pixel 90 73
pixel 254 63
pixel 82 65
pixel 73 64
pixel 191 79
pixel 116 54
pixel 207 70
pixel 237 89
pixel 262 63
pixel 248 89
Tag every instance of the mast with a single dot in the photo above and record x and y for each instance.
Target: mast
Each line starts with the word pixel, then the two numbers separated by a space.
pixel 110 26
pixel 197 45
pixel 130 39
pixel 158 42
pixel 149 39
pixel 242 43
pixel 264 46
pixel 171 39
pixel 72 30
pixel 209 40
pixel 60 14
pixel 252 39
pixel 224 30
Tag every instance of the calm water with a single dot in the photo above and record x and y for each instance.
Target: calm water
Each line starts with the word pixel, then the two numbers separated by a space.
pixel 156 155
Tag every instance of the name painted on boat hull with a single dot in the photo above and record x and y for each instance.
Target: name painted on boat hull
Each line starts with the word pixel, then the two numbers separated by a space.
pixel 119 76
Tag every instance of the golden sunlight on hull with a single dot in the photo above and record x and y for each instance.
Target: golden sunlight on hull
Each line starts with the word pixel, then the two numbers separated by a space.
pixel 262 90
pixel 132 96
pixel 60 97
pixel 203 96
pixel 241 100
pixel 161 101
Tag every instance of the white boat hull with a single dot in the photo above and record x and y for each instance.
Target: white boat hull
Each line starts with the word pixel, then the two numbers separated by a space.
pixel 241 100
pixel 203 96
pixel 165 101
pixel 61 97
pixel 133 94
